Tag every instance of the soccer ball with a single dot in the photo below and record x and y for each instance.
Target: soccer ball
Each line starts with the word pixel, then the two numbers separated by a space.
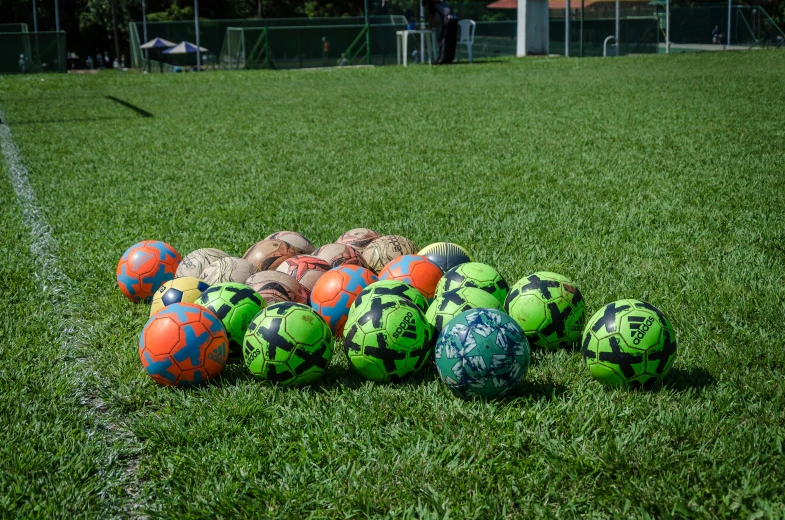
pixel 339 254
pixel 451 303
pixel 269 254
pixel 235 304
pixel 482 353
pixel 390 288
pixel 183 345
pixel 334 293
pixel 180 290
pixel 549 308
pixel 358 238
pixel 629 343
pixel 419 272
pixel 288 344
pixel 384 250
pixel 302 244
pixel 145 267
pixel 477 275
pixel 195 262
pixel 388 339
pixel 275 287
pixel 229 269
pixel 445 254
pixel 306 269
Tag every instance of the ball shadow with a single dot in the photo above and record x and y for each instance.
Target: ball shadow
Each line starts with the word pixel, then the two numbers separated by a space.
pixel 694 379
pixel 539 390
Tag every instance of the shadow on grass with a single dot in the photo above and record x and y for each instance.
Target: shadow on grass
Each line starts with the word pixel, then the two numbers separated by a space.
pixel 66 121
pixel 142 112
pixel 540 390
pixel 696 379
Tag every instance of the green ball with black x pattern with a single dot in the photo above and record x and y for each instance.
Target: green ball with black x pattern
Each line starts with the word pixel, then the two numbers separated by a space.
pixel 629 343
pixel 235 304
pixel 549 308
pixel 288 344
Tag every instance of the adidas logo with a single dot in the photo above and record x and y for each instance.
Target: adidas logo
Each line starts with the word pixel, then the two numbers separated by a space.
pixel 407 328
pixel 639 326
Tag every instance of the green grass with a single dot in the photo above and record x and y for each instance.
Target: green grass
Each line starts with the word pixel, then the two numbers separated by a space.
pixel 659 178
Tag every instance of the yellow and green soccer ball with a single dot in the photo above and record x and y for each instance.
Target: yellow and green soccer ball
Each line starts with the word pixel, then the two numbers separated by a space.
pixel 387 338
pixel 288 344
pixel 629 343
pixel 549 308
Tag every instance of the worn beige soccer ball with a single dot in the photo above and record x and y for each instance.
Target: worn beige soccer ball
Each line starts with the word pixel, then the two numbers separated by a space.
pixel 229 269
pixel 296 239
pixel 269 254
pixel 339 254
pixel 195 262
pixel 384 249
pixel 358 238
pixel 275 287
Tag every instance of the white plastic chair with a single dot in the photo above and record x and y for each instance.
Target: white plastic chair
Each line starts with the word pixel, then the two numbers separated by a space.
pixel 467 35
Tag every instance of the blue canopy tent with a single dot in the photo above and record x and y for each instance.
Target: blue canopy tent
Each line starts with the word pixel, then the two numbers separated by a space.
pixel 158 44
pixel 185 48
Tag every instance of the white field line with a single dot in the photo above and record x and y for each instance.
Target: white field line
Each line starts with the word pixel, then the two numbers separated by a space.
pixel 73 333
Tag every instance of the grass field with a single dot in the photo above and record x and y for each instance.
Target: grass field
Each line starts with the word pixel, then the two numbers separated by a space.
pixel 658 178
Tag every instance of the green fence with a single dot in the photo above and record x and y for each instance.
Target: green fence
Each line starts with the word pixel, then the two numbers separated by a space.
pixel 691 28
pixel 319 42
pixel 286 47
pixel 30 52
pixel 13 27
pixel 295 42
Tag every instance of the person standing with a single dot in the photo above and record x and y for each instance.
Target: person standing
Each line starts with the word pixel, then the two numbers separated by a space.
pixel 441 16
pixel 22 64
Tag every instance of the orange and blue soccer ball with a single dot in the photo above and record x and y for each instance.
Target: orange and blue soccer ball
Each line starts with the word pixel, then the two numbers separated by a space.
pixel 336 290
pixel 145 267
pixel 183 344
pixel 418 271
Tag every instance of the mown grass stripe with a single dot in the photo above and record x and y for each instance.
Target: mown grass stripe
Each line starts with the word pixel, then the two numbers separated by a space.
pixel 74 331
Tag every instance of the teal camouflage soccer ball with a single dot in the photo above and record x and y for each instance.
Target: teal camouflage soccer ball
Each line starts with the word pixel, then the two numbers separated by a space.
pixel 235 304
pixel 451 303
pixel 482 353
pixel 629 343
pixel 288 344
pixel 390 288
pixel 549 308
pixel 477 275
pixel 387 338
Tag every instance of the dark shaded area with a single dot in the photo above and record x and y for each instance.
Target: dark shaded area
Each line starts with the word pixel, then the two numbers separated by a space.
pixel 140 111
pixel 63 121
pixel 693 378
pixel 547 390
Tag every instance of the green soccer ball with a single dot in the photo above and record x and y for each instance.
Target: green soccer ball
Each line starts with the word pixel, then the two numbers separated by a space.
pixel 387 339
pixel 235 304
pixel 451 303
pixel 482 353
pixel 390 288
pixel 549 308
pixel 288 344
pixel 474 274
pixel 629 343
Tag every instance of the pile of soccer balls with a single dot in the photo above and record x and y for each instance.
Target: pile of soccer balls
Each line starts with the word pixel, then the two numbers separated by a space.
pixel 285 305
